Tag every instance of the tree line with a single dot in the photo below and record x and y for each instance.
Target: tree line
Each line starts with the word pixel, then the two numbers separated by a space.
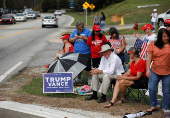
pixel 45 5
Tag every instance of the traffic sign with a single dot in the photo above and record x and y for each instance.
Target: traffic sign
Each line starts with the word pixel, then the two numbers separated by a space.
pixel 86 5
pixel 71 4
pixel 91 6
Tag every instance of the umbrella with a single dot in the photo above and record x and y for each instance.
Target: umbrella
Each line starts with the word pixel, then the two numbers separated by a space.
pixel 69 62
pixel 139 114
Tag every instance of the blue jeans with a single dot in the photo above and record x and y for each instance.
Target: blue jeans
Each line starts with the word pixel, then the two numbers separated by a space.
pixel 121 56
pixel 102 26
pixel 152 85
pixel 153 25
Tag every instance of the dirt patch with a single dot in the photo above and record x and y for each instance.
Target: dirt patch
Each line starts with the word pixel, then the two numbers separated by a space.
pixel 115 18
pixel 9 92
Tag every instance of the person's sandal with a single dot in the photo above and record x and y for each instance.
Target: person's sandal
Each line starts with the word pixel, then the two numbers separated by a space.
pixel 152 109
pixel 111 104
pixel 120 101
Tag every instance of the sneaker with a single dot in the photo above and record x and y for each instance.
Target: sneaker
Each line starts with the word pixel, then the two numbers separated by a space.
pixel 47 66
pixel 77 80
pixel 89 82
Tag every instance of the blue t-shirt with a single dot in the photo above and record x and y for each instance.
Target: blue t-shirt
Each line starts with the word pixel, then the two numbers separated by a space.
pixel 80 45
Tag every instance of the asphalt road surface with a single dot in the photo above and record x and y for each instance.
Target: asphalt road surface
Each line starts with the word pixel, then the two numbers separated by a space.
pixel 20 42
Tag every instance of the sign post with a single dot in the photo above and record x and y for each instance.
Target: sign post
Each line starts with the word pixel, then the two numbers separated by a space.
pixel 86 5
pixel 72 4
pixel 91 7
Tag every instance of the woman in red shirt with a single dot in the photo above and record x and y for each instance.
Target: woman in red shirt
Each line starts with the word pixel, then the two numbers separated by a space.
pixel 135 74
pixel 95 41
pixel 68 47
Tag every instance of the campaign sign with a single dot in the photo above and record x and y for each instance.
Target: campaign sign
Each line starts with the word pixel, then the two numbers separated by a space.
pixel 57 82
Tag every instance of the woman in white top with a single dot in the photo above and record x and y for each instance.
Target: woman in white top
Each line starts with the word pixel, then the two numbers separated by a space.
pixel 153 19
pixel 150 36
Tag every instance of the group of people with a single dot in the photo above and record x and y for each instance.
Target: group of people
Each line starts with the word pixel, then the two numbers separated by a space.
pixel 107 57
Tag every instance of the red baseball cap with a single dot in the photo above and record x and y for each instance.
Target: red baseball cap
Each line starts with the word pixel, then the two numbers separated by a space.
pixel 96 27
pixel 167 21
pixel 147 26
pixel 66 36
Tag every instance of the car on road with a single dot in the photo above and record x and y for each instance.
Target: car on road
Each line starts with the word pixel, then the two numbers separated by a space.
pixel 49 21
pixel 20 17
pixel 57 13
pixel 162 17
pixel 14 11
pixel 31 14
pixel 38 14
pixel 7 19
pixel 63 11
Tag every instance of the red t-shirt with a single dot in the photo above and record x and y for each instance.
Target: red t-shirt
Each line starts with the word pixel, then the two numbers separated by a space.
pixel 139 67
pixel 96 45
pixel 70 49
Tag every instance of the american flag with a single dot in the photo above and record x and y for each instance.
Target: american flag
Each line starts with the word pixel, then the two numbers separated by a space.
pixel 143 45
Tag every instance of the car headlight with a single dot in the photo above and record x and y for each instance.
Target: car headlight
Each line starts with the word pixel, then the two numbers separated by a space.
pixel 0 20
pixel 10 20
pixel 22 17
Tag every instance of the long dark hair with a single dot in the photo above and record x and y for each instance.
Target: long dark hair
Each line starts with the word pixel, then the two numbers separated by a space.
pixel 113 30
pixel 93 35
pixel 159 43
pixel 104 17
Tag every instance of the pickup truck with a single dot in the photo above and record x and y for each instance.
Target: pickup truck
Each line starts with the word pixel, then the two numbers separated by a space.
pixel 162 17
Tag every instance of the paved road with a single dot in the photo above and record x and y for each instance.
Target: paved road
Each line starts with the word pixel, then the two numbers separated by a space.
pixel 20 42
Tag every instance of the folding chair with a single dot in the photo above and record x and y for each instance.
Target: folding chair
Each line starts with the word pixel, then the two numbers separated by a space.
pixel 141 90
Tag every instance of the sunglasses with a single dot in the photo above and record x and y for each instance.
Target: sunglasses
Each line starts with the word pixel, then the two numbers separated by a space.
pixel 167 25
pixel 64 39
pixel 96 31
pixel 80 28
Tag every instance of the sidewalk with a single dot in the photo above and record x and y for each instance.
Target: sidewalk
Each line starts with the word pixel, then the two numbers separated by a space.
pixel 126 26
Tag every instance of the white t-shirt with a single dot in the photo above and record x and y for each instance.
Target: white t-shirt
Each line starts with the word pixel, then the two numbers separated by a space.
pixel 154 16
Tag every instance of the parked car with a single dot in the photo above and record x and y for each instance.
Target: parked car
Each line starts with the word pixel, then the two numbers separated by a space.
pixel 38 14
pixel 31 14
pixel 49 21
pixel 21 11
pixel 7 19
pixel 14 11
pixel 162 17
pixel 63 11
pixel 20 17
pixel 57 12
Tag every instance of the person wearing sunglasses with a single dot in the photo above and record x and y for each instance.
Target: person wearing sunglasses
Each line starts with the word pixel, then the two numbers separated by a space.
pixel 79 37
pixel 167 24
pixel 118 43
pixel 68 47
pixel 95 41
pixel 149 37
pixel 135 74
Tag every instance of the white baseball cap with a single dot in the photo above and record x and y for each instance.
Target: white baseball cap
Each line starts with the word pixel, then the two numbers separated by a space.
pixel 154 9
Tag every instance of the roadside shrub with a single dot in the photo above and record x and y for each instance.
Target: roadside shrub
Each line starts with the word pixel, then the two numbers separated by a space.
pixel 51 11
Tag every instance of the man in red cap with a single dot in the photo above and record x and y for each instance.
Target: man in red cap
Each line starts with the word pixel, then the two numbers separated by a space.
pixel 167 24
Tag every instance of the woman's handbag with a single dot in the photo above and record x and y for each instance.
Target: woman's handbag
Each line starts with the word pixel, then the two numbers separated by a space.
pixel 126 56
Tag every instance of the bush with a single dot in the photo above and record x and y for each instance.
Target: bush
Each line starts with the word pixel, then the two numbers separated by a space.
pixel 51 11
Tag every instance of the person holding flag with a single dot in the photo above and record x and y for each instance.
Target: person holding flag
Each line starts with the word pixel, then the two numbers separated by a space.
pixel 149 37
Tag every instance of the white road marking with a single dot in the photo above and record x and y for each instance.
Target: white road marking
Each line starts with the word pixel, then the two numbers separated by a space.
pixel 38 110
pixel 9 71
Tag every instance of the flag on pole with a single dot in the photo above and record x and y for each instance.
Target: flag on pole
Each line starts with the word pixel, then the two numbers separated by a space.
pixel 143 52
pixel 142 44
pixel 138 43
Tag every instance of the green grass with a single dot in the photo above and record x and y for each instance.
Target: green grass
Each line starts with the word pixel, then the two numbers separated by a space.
pixel 127 31
pixel 128 9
